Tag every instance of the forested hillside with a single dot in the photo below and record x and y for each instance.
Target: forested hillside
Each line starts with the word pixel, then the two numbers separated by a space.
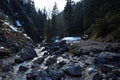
pixel 98 19
pixel 24 11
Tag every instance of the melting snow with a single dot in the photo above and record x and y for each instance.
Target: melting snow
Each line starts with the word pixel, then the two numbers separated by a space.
pixel 1 47
pixel 13 28
pixel 26 36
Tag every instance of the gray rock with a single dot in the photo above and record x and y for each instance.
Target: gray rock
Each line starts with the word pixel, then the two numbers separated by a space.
pixel 82 52
pixel 106 69
pixel 57 75
pixel 6 67
pixel 50 60
pixel 23 68
pixel 107 58
pixel 39 60
pixel 94 76
pixel 116 72
pixel 26 54
pixel 74 71
pixel 45 78
pixel 32 76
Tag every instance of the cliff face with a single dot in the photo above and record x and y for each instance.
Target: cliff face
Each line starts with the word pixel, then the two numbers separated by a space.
pixel 12 39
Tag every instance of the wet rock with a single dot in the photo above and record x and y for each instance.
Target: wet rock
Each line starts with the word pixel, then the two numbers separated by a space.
pixel 116 72
pixel 55 48
pixel 107 58
pixel 39 60
pixel 67 55
pixel 115 49
pixel 26 54
pixel 106 69
pixel 18 60
pixel 32 76
pixel 23 68
pixel 89 61
pixel 94 76
pixel 61 63
pixel 50 60
pixel 59 52
pixel 58 75
pixel 64 49
pixel 6 67
pixel 90 70
pixel 82 52
pixel 62 43
pixel 45 78
pixel 74 71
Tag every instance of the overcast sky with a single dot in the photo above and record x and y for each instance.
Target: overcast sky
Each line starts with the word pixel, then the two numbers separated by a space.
pixel 48 4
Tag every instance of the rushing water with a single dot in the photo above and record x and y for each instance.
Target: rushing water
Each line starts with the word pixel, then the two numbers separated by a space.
pixel 21 75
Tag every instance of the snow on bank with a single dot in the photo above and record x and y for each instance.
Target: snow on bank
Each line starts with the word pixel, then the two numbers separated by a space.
pixel 11 26
pixel 26 36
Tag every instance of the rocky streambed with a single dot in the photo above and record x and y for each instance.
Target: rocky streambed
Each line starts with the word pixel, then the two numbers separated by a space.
pixel 86 60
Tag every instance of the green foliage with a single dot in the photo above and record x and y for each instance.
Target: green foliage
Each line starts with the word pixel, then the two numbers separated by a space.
pixel 100 26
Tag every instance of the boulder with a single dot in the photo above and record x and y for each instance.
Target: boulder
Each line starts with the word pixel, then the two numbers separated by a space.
pixel 107 58
pixel 74 71
pixel 57 75
pixel 6 67
pixel 45 78
pixel 32 76
pixel 23 68
pixel 116 72
pixel 62 43
pixel 25 54
pixel 106 69
pixel 39 60
pixel 94 76
pixel 50 60
pixel 82 52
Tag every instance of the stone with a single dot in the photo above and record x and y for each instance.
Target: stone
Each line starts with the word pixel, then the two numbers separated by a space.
pixel 50 60
pixel 62 43
pixel 23 68
pixel 58 75
pixel 32 76
pixel 94 76
pixel 39 60
pixel 82 52
pixel 26 54
pixel 6 67
pixel 62 63
pixel 116 72
pixel 105 69
pixel 107 58
pixel 45 78
pixel 74 71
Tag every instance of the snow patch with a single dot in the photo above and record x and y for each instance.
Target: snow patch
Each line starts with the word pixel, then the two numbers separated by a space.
pixel 26 36
pixel 1 47
pixel 13 28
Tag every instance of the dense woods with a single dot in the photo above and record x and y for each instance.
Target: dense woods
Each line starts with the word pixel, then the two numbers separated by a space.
pixel 98 19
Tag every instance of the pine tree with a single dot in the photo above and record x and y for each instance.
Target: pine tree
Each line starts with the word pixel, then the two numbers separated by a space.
pixel 69 17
